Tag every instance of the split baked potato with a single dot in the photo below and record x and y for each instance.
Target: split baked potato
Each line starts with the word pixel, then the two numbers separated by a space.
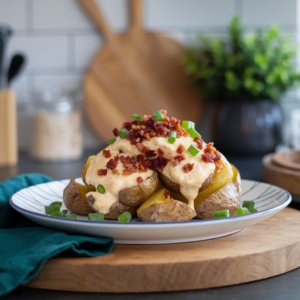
pixel 224 192
pixel 162 208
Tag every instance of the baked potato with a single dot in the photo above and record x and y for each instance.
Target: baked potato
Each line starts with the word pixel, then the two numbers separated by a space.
pixel 138 194
pixel 84 170
pixel 224 192
pixel 74 198
pixel 116 209
pixel 175 187
pixel 162 208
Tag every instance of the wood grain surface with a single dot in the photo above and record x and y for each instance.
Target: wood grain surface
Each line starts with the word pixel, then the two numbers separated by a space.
pixel 266 249
pixel 285 178
pixel 8 128
pixel 289 159
pixel 126 76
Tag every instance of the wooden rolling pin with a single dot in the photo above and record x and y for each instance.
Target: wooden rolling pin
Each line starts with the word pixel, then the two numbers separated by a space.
pixel 8 129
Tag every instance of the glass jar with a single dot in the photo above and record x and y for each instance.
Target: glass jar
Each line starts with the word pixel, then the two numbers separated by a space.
pixel 57 127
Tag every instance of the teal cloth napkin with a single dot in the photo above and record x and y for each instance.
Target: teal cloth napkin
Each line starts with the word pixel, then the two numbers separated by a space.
pixel 26 246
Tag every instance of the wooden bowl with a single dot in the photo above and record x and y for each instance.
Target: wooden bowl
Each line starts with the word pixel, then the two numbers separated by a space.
pixel 289 159
pixel 286 178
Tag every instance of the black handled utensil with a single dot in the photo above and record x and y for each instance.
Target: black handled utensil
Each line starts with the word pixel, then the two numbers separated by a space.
pixel 16 64
pixel 5 33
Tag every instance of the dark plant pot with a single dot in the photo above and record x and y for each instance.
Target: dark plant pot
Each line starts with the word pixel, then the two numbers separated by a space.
pixel 248 127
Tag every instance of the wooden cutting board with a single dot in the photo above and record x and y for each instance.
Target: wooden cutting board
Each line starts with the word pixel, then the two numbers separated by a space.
pixel 266 249
pixel 122 78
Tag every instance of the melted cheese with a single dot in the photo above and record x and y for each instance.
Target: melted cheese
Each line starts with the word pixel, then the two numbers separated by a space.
pixel 189 182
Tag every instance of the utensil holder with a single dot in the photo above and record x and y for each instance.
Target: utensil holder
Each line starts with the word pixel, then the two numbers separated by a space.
pixel 8 128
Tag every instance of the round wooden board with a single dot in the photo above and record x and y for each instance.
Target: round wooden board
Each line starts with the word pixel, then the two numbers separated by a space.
pixel 266 249
pixel 283 177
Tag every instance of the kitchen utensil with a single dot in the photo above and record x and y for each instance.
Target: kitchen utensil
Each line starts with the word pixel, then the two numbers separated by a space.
pixel 5 33
pixel 261 251
pixel 281 176
pixel 120 82
pixel 268 201
pixel 163 56
pixel 16 64
pixel 8 128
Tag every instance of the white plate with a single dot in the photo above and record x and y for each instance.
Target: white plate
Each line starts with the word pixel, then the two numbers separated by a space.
pixel 30 202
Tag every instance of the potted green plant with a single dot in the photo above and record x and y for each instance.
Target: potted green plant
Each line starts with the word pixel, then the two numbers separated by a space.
pixel 245 76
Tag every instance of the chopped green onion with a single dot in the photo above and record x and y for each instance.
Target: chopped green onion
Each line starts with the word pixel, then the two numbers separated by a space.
pixel 253 210
pixel 65 211
pixel 248 204
pixel 193 150
pixel 172 137
pixel 125 217
pixel 158 116
pixel 96 217
pixel 187 124
pixel 242 211
pixel 222 214
pixel 123 133
pixel 62 214
pixel 72 216
pixel 56 203
pixel 50 209
pixel 137 117
pixel 111 141
pixel 101 189
pixel 193 133
pixel 55 214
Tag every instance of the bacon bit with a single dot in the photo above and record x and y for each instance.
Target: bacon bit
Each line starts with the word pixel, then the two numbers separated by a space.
pixel 129 164
pixel 159 152
pixel 144 165
pixel 177 159
pixel 106 153
pixel 211 155
pixel 150 153
pixel 167 194
pixel 115 171
pixel 128 125
pixel 141 147
pixel 180 149
pixel 116 131
pixel 116 158
pixel 102 172
pixel 185 133
pixel 111 164
pixel 126 160
pixel 129 170
pixel 187 168
pixel 199 142
pixel 164 112
pixel 140 157
pixel 139 179
pixel 219 166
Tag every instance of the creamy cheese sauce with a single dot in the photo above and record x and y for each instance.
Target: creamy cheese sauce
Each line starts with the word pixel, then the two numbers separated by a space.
pixel 189 182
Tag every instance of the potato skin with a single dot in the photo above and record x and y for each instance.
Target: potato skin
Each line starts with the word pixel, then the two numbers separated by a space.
pixel 228 197
pixel 138 194
pixel 116 209
pixel 170 211
pixel 73 200
pixel 175 187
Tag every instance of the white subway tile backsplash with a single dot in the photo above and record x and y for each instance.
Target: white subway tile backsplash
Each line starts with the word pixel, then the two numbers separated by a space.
pixel 41 51
pixel 65 83
pixel 68 14
pixel 86 47
pixel 266 12
pixel 188 13
pixel 21 87
pixel 13 13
